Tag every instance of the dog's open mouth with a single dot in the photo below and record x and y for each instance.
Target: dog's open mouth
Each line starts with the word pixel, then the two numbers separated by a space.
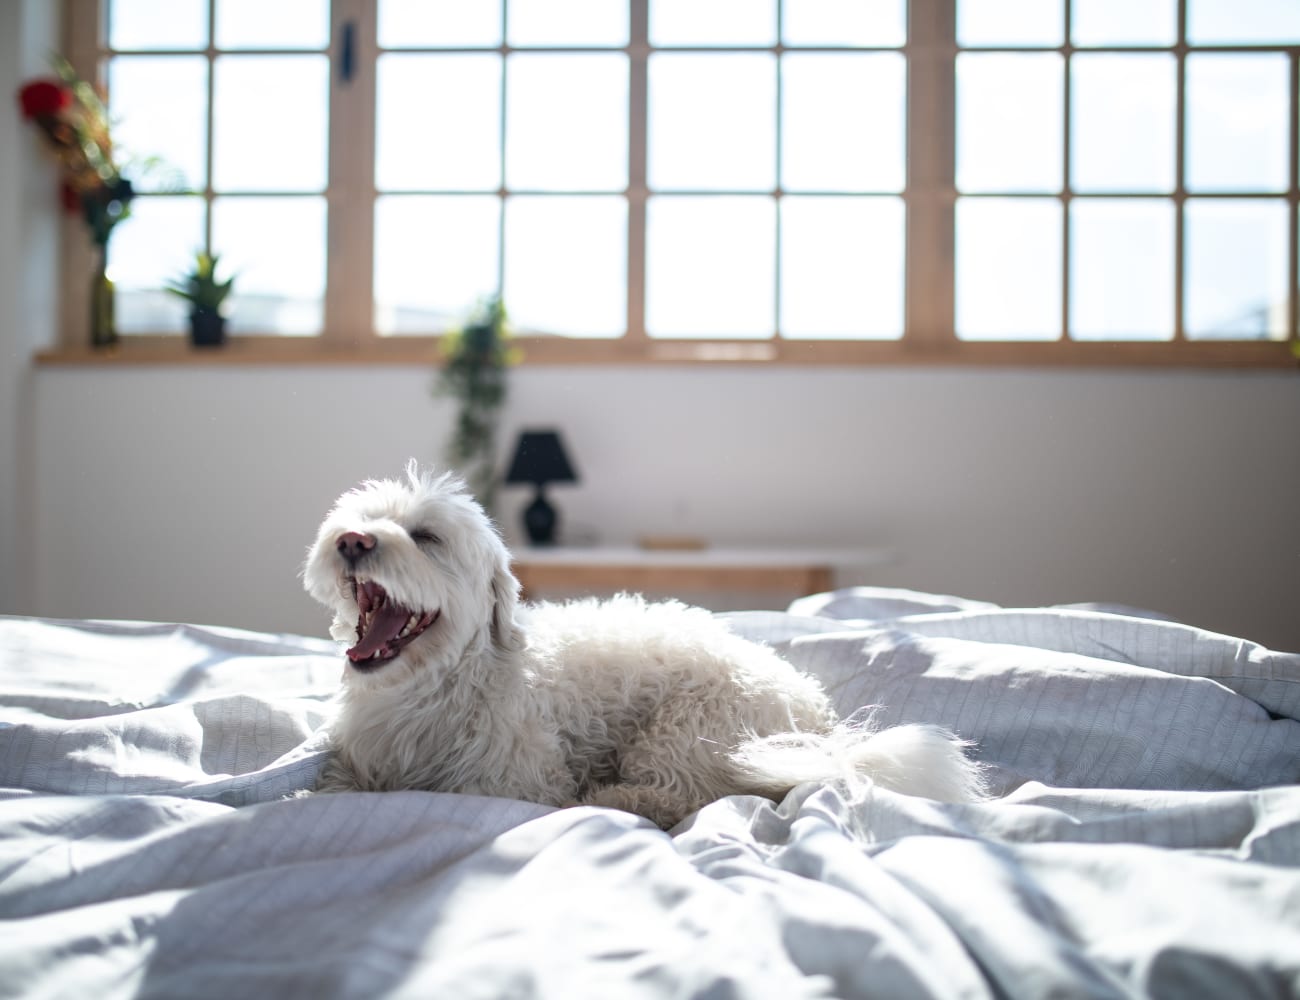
pixel 384 627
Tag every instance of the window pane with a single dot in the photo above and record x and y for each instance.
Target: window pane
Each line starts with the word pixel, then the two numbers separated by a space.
pixel 1123 119
pixel 257 145
pixel 710 267
pixel 567 22
pixel 1008 264
pixel 434 258
pixel 566 265
pixel 844 22
pixel 1236 279
pixel 842 267
pixel 276 249
pixel 1229 22
pixel 159 104
pixel 155 245
pixel 566 122
pixel 1237 110
pixel 418 23
pixel 712 122
pixel 1121 269
pixel 842 122
pixel 158 24
pixel 1123 22
pixel 713 22
pixel 1010 22
pixel 1009 111
pixel 284 24
pixel 438 122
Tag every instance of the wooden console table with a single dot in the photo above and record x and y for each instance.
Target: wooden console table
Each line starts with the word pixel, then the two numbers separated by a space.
pixel 609 569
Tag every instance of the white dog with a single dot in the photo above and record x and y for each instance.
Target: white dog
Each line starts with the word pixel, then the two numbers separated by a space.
pixel 453 685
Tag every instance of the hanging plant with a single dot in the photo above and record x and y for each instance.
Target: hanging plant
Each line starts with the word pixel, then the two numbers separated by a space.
pixel 474 374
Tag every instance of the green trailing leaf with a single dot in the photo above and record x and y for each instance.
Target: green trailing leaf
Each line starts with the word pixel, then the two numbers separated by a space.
pixel 473 373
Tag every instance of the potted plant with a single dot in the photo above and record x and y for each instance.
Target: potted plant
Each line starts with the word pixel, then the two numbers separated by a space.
pixel 206 296
pixel 473 373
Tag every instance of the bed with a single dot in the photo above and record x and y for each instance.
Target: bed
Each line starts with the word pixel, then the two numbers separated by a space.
pixel 1145 838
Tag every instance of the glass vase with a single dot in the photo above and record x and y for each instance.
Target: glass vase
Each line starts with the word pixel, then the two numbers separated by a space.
pixel 103 322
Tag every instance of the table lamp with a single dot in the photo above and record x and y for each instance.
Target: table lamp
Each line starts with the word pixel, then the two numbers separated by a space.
pixel 540 459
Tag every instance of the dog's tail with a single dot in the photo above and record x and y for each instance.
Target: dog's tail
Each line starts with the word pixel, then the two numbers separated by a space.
pixel 914 759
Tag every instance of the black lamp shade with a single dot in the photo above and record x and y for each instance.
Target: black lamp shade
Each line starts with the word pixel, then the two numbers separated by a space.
pixel 540 459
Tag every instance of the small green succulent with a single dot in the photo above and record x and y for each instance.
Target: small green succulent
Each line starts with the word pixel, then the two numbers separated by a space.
pixel 200 287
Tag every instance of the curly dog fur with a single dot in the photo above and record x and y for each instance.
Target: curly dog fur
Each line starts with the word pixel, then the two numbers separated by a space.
pixel 452 684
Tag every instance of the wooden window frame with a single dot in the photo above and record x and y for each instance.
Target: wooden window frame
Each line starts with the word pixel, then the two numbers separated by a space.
pixel 930 196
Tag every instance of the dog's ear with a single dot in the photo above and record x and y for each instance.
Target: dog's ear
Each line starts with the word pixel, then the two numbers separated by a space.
pixel 506 635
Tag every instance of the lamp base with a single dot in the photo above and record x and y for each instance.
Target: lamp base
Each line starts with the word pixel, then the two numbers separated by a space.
pixel 540 520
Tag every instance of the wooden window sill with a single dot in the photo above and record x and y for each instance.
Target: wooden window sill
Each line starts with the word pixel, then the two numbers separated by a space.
pixel 424 351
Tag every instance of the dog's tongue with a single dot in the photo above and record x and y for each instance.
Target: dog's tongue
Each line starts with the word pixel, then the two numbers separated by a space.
pixel 384 626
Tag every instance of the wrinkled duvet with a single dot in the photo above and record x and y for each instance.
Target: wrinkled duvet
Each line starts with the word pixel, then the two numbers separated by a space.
pixel 1145 841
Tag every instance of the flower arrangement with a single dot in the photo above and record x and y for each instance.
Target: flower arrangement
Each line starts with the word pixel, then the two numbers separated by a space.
pixel 75 125
pixel 474 373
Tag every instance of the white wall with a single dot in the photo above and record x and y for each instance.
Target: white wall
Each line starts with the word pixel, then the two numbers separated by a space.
pixel 28 249
pixel 184 494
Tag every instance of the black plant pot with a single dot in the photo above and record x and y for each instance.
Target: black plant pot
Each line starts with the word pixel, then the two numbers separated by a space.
pixel 207 328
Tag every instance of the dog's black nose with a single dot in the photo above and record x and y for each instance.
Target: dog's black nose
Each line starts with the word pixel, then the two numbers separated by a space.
pixel 353 545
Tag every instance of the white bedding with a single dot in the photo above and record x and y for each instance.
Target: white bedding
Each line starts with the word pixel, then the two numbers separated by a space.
pixel 1147 841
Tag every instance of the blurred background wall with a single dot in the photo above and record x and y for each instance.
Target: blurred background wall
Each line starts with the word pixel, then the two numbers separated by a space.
pixel 191 494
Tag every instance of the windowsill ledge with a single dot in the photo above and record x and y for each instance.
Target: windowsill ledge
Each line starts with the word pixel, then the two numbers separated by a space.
pixel 237 351
pixel 156 351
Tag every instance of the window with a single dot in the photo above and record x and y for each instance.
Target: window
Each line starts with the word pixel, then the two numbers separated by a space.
pixel 1138 180
pixel 797 180
pixel 241 129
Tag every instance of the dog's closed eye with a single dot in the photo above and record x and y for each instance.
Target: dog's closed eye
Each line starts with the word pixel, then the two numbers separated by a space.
pixel 423 536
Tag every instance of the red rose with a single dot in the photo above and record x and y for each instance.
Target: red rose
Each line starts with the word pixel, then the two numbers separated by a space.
pixel 70 198
pixel 42 98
